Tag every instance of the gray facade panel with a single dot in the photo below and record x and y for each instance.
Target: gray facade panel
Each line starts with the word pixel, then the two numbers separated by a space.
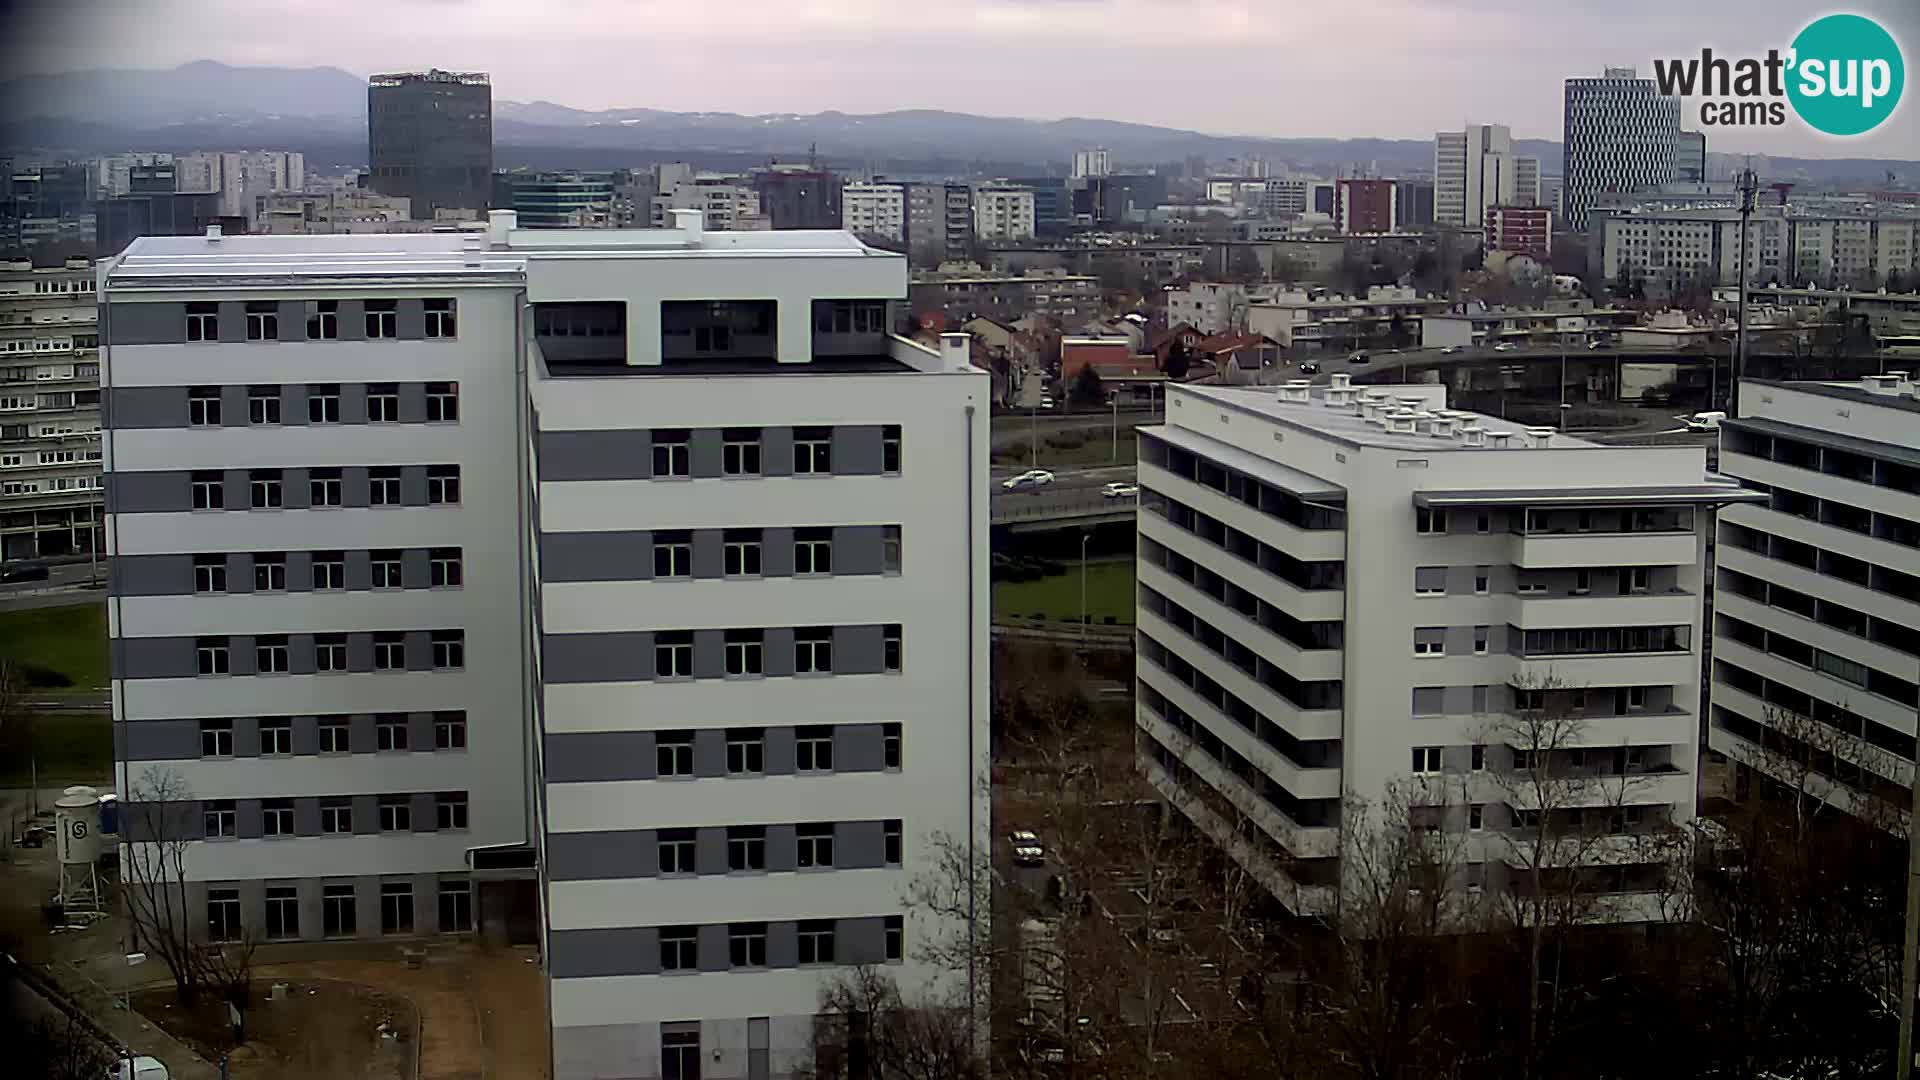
pixel 778 752
pixel 419 650
pixel 591 756
pixel 159 740
pixel 240 572
pixel 366 820
pixel 359 572
pixel 587 658
pixel 710 850
pixel 299 571
pixel 416 569
pixel 157 658
pixel 353 398
pixel 859 845
pixel 713 947
pixel 598 856
pixel 145 324
pixel 776 552
pixel 709 554
pixel 857 549
pixel 596 455
pixel 413 485
pixel 353 320
pixel 233 406
pixel 709 654
pixel 239 496
pixel 306 817
pixel 293 320
pixel 173 819
pixel 247 819
pixel 710 752
pixel 296 489
pixel 411 322
pixel 151 575
pixel 783 851
pixel 413 402
pixel 360 726
pixel 148 492
pixel 858 748
pixel 783 944
pixel 233 320
pixel 306 735
pixel 129 407
pixel 246 736
pixel 356 489
pixel 579 954
pixel 860 941
pixel 704 452
pixel 425 817
pixel 776 451
pixel 856 450
pixel 596 556
pixel 293 409
pixel 858 650
pixel 778 653
pixel 420 731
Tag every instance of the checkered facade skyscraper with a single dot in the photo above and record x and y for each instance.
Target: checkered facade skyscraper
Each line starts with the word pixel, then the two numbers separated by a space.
pixel 1621 134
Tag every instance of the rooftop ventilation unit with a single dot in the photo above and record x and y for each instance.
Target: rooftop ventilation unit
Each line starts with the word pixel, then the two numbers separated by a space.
pixel 1473 435
pixel 1340 380
pixel 1443 426
pixel 1539 436
pixel 1400 423
pixel 1500 440
pixel 1880 384
pixel 1296 391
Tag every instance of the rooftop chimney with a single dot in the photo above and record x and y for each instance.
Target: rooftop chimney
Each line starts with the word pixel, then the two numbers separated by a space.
pixel 1296 391
pixel 1880 384
pixel 1539 436
pixel 955 349
pixel 1340 380
pixel 499 224
pixel 1473 435
pixel 213 234
pixel 691 222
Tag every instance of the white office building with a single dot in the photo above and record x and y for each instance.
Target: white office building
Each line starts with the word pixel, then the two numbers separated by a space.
pixel 727 203
pixel 1094 162
pixel 1816 649
pixel 1002 213
pixel 241 178
pixel 1476 168
pixel 878 210
pixel 1621 135
pixel 1343 591
pixel 619 590
pixel 49 410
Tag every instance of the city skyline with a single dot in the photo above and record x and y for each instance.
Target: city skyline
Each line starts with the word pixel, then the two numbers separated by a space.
pixel 1420 69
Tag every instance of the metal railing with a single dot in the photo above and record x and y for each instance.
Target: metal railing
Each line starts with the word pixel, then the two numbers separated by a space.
pixel 1030 505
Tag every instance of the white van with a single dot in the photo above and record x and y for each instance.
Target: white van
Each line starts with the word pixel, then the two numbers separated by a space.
pixel 1706 421
pixel 139 1068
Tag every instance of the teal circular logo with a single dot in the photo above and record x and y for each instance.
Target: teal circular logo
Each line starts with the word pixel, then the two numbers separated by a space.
pixel 1847 75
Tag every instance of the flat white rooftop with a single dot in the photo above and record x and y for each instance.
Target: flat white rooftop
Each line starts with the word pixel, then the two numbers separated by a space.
pixel 1341 424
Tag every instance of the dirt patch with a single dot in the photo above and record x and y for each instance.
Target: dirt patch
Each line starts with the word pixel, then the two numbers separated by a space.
pixel 319 1030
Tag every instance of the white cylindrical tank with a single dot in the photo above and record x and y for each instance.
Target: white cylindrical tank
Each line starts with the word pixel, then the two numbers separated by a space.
pixel 76 820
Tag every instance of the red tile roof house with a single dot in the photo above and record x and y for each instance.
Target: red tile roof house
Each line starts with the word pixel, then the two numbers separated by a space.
pixel 1132 378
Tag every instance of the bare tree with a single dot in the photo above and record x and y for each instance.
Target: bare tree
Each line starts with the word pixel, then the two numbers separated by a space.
pixel 153 875
pixel 866 1030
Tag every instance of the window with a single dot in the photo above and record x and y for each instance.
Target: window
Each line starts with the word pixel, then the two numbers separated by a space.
pixel 1525 760
pixel 203 322
pixel 456 907
pixel 390 731
pixel 740 452
pixel 203 406
pixel 1639 579
pixel 329 570
pixel 443 565
pixel 747 945
pixel 746 750
pixel 1429 522
pixel 449 650
pixel 219 818
pixel 325 487
pixel 335 735
pixel 383 403
pixel 1480 634
pixel 323 403
pixel 210 654
pixel 679 1055
pixel 216 738
pixel 746 848
pixel 263 489
pixel 673 654
pixel 223 914
pixel 390 651
pixel 813 650
pixel 396 906
pixel 383 485
pixel 336 910
pixel 672 452
pixel 1476 817
pixel 396 813
pixel 744 653
pixel 890 549
pixel 443 402
pixel 209 573
pixel 450 810
pixel 673 753
pixel 443 485
pixel 813 749
pixel 1482 522
pixel 1430 641
pixel 813 551
pixel 263 405
pixel 269 571
pixel 1582 582
pixel 439 314
pixel 208 491
pixel 283 912
pixel 891 837
pixel 336 815
pixel 892 652
pixel 1530 699
pixel 741 552
pixel 1426 760
pixel 1531 584
pixel 672 554
pixel 1583 521
pixel 890 449
pixel 816 941
pixel 896 937
pixel 449 731
pixel 676 851
pixel 1482 577
pixel 383 318
pixel 1429 580
pixel 276 736
pixel 1479 758
pixel 815 846
pixel 384 567
pixel 812 450
pixel 323 320
pixel 1636 698
pixel 890 746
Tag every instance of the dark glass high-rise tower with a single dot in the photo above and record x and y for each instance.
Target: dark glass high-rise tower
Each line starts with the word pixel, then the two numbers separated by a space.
pixel 430 138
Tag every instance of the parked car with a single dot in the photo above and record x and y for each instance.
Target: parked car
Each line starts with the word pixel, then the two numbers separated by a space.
pixel 1121 491
pixel 1046 401
pixel 1706 421
pixel 1449 350
pixel 1595 344
pixel 1309 368
pixel 1505 346
pixel 1359 357
pixel 1032 478
pixel 1026 848
pixel 23 571
pixel 139 1068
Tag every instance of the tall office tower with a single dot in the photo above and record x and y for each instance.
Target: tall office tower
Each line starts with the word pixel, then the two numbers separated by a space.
pixel 876 209
pixel 1690 162
pixel 1477 168
pixel 1345 592
pixel 798 197
pixel 642 573
pixel 1621 134
pixel 49 410
pixel 1095 162
pixel 1816 648
pixel 430 139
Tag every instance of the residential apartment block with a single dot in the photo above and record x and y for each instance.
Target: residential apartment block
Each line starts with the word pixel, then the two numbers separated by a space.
pixel 623 591
pixel 49 410
pixel 1348 591
pixel 876 209
pixel 1001 212
pixel 1857 250
pixel 1476 168
pixel 1816 652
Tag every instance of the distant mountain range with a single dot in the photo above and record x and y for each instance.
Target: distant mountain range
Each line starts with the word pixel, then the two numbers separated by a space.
pixel 322 111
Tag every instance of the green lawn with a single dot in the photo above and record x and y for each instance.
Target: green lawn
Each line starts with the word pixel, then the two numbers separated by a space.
pixel 71 640
pixel 1057 598
pixel 68 748
pixel 1069 449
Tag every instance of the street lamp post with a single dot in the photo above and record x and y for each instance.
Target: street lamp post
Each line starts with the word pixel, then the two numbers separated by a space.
pixel 1114 400
pixel 1084 537
pixel 1033 414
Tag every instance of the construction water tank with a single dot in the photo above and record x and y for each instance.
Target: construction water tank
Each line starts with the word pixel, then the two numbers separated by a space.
pixel 76 821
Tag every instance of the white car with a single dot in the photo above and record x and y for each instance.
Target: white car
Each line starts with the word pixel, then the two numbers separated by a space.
pixel 1449 350
pixel 1032 478
pixel 139 1068
pixel 1706 421
pixel 1505 346
pixel 1026 848
pixel 1121 491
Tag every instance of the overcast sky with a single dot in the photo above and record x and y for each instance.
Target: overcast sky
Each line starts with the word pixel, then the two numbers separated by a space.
pixel 1390 68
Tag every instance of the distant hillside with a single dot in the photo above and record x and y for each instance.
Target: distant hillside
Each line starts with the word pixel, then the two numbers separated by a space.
pixel 206 105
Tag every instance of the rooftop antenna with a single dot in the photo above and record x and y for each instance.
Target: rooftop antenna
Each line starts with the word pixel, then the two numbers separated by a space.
pixel 812 155
pixel 1748 185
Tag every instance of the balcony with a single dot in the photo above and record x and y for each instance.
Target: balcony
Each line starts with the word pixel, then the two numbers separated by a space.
pixel 1539 551
pixel 1299 898
pixel 1632 609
